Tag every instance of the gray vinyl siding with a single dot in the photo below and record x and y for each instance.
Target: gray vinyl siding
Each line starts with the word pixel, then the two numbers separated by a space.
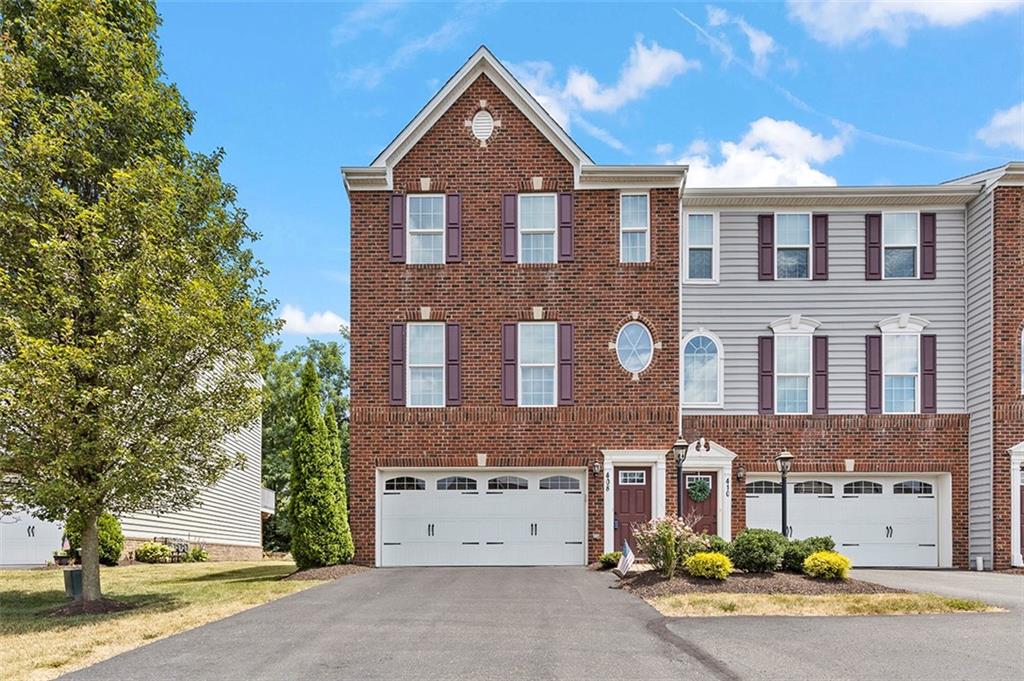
pixel 979 374
pixel 740 307
pixel 226 513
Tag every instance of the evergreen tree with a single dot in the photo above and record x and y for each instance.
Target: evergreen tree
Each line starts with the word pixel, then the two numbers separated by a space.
pixel 342 488
pixel 318 524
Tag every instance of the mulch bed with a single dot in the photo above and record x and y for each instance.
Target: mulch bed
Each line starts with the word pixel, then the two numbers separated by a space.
pixel 650 584
pixel 326 573
pixel 100 607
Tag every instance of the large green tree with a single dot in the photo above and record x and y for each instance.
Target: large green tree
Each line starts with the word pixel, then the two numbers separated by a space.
pixel 319 523
pixel 133 320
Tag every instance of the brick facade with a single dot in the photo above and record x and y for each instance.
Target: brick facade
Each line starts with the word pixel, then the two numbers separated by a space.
pixel 1008 321
pixel 594 292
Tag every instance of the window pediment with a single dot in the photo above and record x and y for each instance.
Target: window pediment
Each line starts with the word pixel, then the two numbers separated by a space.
pixel 794 324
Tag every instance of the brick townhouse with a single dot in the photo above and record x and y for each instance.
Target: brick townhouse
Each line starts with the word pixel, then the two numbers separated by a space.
pixel 534 334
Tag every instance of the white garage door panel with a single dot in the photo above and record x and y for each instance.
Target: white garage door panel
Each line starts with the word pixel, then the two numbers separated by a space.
pixel 27 540
pixel 874 530
pixel 531 526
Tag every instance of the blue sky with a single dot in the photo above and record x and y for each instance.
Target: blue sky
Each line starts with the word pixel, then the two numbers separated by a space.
pixel 854 93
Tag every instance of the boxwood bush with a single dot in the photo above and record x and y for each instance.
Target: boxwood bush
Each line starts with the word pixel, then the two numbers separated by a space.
pixel 756 550
pixel 719 545
pixel 110 535
pixel 610 559
pixel 796 553
pixel 827 565
pixel 709 565
pixel 153 552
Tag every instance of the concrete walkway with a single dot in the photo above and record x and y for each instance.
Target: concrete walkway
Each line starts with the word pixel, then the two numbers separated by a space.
pixel 1003 590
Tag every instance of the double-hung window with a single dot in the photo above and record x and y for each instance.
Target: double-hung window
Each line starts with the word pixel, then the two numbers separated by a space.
pixel 792 246
pixel 901 373
pixel 538 360
pixel 425 365
pixel 900 233
pixel 700 259
pixel 538 223
pixel 792 374
pixel 634 228
pixel 426 229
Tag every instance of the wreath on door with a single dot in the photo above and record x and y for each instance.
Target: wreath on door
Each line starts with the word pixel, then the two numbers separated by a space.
pixel 699 490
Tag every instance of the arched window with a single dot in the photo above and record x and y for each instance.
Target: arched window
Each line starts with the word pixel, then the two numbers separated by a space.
pixel 862 487
pixel 559 482
pixel 507 482
pixel 812 487
pixel 912 487
pixel 404 483
pixel 456 482
pixel 702 369
pixel 764 487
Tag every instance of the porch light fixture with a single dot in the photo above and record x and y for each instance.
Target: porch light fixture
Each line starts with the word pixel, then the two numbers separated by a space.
pixel 784 461
pixel 679 450
pixel 596 467
pixel 741 473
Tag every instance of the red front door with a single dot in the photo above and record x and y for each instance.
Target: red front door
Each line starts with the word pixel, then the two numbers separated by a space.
pixel 703 514
pixel 632 502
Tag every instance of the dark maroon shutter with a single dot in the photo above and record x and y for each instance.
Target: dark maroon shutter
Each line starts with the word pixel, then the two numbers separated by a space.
pixel 509 356
pixel 566 364
pixel 397 227
pixel 508 227
pixel 565 227
pixel 874 374
pixel 452 364
pixel 927 245
pixel 820 374
pixel 820 228
pixel 397 364
pixel 765 246
pixel 766 374
pixel 873 246
pixel 929 394
pixel 453 231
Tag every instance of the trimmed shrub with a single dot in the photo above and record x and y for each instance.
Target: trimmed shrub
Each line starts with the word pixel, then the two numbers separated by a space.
pixel 196 554
pixel 110 535
pixel 153 552
pixel 719 545
pixel 709 565
pixel 610 559
pixel 756 550
pixel 796 553
pixel 827 565
pixel 667 542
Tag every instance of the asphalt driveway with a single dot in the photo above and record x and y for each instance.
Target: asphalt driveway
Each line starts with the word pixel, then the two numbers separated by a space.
pixel 1004 590
pixel 555 623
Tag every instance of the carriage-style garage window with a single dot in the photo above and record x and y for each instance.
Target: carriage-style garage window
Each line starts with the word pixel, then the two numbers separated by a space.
pixel 456 482
pixel 912 487
pixel 538 220
pixel 559 482
pixel 862 487
pixel 404 484
pixel 426 229
pixel 538 357
pixel 812 487
pixel 425 365
pixel 507 482
pixel 764 487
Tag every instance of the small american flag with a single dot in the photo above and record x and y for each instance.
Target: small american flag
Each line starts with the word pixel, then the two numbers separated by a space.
pixel 626 561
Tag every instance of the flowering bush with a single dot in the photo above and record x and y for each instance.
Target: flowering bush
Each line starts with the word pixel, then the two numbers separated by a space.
pixel 667 542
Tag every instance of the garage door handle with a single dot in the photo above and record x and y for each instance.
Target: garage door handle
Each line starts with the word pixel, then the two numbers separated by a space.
pixel 573 542
pixel 926 544
pixel 495 543
pixel 851 544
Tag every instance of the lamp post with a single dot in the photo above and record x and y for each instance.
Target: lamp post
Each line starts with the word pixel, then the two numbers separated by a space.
pixel 784 462
pixel 679 450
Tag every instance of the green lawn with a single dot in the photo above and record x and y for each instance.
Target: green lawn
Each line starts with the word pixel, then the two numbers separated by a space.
pixel 168 599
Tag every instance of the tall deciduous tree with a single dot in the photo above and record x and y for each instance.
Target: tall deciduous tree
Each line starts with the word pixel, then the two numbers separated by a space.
pixel 319 526
pixel 133 320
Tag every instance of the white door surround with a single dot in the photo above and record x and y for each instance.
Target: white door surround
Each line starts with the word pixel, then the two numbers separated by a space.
pixel 1016 462
pixel 631 457
pixel 705 455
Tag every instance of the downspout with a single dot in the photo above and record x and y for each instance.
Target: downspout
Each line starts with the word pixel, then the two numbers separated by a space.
pixel 679 336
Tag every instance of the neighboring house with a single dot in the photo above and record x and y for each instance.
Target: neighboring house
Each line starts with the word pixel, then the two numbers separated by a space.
pixel 530 331
pixel 226 520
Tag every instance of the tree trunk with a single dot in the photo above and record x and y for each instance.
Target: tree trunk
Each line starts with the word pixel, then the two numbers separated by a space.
pixel 90 558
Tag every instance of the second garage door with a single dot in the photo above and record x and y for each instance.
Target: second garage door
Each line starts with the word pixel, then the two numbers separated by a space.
pixel 497 517
pixel 877 522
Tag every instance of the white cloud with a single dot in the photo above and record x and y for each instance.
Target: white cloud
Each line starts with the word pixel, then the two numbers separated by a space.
pixel 648 67
pixel 296 322
pixel 839 22
pixel 1005 129
pixel 539 78
pixel 760 43
pixel 664 149
pixel 600 134
pixel 376 17
pixel 772 153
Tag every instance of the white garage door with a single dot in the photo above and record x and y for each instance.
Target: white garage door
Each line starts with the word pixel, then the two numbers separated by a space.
pixel 877 522
pixel 27 540
pixel 495 517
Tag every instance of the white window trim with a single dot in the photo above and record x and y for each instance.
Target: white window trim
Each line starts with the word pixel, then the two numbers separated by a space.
pixel 886 337
pixel 624 473
pixel 409 230
pixel 810 245
pixel 646 230
pixel 409 367
pixel 535 230
pixel 917 245
pixel 720 403
pixel 714 249
pixel 520 365
pixel 903 325
pixel 808 375
pixel 693 477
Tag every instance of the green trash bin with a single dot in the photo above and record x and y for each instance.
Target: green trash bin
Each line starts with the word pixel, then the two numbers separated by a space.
pixel 73 582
